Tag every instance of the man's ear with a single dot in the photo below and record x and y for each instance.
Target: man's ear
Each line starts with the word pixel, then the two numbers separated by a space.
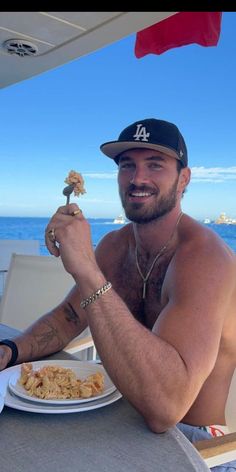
pixel 184 178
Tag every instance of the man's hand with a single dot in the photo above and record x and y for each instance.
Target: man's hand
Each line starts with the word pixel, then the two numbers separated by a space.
pixel 68 235
pixel 5 356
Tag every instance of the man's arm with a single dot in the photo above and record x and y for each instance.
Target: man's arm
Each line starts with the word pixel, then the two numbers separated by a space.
pixel 162 372
pixel 50 333
pixel 159 372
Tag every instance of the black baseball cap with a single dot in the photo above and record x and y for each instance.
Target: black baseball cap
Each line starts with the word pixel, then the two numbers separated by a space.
pixel 152 134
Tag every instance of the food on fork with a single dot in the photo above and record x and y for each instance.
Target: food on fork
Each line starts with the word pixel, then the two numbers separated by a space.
pixel 76 179
pixel 53 382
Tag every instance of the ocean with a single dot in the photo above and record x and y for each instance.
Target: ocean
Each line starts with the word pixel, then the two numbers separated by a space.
pixel 33 228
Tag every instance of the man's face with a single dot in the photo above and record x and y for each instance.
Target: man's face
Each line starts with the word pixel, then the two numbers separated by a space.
pixel 148 184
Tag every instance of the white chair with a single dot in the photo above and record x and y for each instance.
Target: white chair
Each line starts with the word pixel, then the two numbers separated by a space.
pixel 222 449
pixel 35 285
pixel 18 246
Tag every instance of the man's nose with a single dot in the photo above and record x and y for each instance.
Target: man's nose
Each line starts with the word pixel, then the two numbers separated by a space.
pixel 138 177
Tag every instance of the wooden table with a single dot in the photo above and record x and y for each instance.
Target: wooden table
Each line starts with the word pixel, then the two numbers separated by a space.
pixel 114 438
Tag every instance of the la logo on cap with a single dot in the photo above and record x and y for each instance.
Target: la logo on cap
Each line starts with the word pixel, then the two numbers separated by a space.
pixel 141 133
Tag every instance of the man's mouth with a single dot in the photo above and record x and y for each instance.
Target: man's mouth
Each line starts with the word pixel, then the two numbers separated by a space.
pixel 140 194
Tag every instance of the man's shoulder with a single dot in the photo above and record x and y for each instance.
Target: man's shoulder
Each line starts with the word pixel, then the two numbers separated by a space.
pixel 200 241
pixel 197 233
pixel 116 236
pixel 201 255
pixel 114 243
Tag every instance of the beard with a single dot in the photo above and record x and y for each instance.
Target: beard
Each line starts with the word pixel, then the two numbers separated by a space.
pixel 137 212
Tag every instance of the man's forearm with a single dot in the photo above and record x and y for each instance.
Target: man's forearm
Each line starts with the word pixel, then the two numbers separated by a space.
pixel 147 370
pixel 38 341
pixel 50 333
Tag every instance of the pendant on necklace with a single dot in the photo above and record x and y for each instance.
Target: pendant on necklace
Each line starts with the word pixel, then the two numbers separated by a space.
pixel 144 289
pixel 159 254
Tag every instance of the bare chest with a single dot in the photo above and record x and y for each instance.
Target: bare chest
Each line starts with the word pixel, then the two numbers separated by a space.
pixel 129 285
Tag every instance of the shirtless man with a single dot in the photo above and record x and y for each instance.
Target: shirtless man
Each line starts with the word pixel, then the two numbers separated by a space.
pixel 165 325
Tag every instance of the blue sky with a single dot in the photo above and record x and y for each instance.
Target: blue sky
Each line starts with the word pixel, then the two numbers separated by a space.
pixel 56 122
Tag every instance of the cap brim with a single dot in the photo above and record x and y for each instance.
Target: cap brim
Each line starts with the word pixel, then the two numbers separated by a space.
pixel 113 148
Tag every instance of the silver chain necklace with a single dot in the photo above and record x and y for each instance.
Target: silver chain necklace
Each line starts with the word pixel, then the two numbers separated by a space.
pixel 159 254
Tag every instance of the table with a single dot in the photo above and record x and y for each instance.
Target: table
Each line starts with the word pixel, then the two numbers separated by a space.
pixel 114 438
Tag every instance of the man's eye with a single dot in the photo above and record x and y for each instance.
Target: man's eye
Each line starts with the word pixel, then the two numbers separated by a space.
pixel 126 165
pixel 154 165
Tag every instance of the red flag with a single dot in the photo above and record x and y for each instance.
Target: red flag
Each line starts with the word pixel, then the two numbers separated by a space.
pixel 185 27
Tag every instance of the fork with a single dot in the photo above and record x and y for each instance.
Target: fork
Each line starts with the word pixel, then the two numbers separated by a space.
pixel 67 191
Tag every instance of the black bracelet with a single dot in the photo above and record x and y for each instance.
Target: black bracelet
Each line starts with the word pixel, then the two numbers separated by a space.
pixel 13 346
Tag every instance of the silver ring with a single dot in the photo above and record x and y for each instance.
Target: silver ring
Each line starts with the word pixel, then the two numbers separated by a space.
pixel 51 235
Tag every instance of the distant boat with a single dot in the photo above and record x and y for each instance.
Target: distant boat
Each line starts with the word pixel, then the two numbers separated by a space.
pixel 119 220
pixel 207 221
pixel 225 220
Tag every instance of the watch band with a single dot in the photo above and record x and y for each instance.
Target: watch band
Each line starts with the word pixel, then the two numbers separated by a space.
pixel 13 346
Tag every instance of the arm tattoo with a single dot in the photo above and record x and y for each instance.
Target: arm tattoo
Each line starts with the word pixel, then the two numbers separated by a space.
pixel 71 314
pixel 51 335
pixel 48 337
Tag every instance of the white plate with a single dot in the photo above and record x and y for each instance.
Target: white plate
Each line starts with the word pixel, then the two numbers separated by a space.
pixel 81 370
pixel 1 402
pixel 19 404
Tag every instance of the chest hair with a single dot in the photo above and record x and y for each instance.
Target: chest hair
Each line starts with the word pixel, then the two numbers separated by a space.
pixel 129 285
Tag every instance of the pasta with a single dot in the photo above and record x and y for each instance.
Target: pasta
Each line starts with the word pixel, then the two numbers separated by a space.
pixel 53 382
pixel 77 179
